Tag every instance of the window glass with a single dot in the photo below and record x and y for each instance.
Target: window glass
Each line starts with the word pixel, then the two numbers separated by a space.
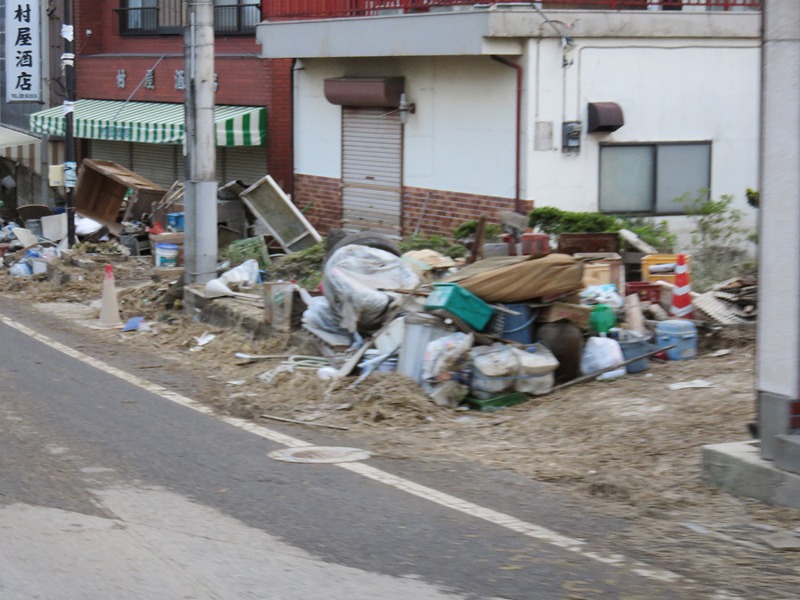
pixel 626 178
pixel 682 169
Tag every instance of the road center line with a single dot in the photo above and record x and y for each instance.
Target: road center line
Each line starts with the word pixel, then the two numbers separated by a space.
pixel 509 522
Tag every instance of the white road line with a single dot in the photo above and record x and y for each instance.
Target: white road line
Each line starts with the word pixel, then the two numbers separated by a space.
pixel 452 502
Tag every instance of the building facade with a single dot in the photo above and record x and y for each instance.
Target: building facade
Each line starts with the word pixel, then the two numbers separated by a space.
pixel 416 120
pixel 130 88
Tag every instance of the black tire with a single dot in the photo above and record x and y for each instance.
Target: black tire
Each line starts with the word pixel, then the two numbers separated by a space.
pixel 366 238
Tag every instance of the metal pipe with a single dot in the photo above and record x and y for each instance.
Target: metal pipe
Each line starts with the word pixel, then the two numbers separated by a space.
pixel 518 156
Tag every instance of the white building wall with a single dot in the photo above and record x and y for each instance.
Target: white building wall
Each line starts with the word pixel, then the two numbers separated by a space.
pixel 669 92
pixel 462 136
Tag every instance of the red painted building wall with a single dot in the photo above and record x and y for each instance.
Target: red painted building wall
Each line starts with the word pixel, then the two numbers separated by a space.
pixel 243 78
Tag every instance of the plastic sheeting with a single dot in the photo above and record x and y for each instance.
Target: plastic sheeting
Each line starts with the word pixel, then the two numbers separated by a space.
pixel 517 279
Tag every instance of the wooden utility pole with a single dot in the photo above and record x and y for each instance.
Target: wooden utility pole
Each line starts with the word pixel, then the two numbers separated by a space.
pixel 200 192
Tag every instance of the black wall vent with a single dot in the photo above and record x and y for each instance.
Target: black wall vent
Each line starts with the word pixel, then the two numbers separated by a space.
pixel 605 117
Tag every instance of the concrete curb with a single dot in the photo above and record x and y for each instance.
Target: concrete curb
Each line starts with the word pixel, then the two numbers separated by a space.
pixel 738 469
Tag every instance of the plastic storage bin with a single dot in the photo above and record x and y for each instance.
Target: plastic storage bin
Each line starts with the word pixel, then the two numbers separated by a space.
pixel 420 328
pixel 634 344
pixel 681 333
pixel 460 302
pixel 647 292
pixel 652 260
pixel 534 243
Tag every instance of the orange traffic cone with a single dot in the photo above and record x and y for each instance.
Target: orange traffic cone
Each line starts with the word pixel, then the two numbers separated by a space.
pixel 109 309
pixel 682 293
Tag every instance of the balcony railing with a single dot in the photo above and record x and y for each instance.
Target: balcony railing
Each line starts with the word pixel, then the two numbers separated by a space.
pixel 320 9
pixel 167 19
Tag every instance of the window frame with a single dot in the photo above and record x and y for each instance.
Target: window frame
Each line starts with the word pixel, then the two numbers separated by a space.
pixel 653 210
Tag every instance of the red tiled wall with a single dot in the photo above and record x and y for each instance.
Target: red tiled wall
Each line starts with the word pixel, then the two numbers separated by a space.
pixel 320 198
pixel 447 210
pixel 444 212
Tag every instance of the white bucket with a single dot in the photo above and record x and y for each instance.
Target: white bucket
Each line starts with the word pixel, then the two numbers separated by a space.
pixel 166 255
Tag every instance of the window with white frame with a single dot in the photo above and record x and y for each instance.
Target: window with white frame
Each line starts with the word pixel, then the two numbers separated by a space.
pixel 648 178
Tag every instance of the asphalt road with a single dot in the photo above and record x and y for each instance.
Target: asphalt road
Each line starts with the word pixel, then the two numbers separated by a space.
pixel 110 490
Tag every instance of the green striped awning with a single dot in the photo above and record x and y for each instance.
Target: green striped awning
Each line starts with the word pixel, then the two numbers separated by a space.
pixel 151 122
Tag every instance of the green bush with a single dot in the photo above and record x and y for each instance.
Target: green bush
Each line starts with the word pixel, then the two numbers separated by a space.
pixel 719 240
pixel 655 233
pixel 304 266
pixel 491 231
pixel 554 221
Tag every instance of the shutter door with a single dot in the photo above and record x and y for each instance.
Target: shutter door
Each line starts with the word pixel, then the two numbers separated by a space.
pixel 372 170
pixel 160 163
pixel 245 163
pixel 118 152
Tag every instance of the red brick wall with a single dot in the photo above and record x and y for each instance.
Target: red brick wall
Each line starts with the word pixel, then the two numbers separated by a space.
pixel 444 212
pixel 321 200
pixel 447 210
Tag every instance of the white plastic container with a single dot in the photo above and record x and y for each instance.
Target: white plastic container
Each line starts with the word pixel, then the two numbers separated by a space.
pixel 495 370
pixel 536 370
pixel 420 328
pixel 166 255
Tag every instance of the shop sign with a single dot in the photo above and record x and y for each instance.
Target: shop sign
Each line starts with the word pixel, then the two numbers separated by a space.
pixel 23 51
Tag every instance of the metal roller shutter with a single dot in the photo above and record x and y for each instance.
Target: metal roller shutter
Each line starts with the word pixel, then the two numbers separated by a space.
pixel 246 163
pixel 372 151
pixel 118 152
pixel 160 163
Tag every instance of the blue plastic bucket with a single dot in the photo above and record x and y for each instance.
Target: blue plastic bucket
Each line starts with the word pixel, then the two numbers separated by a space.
pixel 632 350
pixel 518 328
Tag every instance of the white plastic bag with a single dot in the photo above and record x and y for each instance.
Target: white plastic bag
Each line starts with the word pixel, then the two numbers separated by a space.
pixel 352 280
pixel 442 355
pixel 602 353
pixel 495 369
pixel 245 274
pixel 536 370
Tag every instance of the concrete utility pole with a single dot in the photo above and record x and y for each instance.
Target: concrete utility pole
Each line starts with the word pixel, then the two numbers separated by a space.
pixel 200 193
pixel 779 238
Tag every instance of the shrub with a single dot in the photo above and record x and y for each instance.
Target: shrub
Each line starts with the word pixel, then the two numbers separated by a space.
pixel 718 238
pixel 491 231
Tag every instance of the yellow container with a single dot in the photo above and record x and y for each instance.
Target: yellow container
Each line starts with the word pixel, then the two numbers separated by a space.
pixel 652 260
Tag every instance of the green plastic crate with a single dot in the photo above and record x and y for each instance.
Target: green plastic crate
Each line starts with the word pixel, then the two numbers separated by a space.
pixel 462 303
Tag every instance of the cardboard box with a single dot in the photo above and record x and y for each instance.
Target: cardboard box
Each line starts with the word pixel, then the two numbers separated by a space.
pixel 603 268
pixel 577 313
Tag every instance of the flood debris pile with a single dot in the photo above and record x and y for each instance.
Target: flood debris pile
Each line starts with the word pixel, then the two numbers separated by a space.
pixel 486 335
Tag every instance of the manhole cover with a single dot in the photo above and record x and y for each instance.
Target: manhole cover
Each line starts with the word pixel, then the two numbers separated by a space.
pixel 319 454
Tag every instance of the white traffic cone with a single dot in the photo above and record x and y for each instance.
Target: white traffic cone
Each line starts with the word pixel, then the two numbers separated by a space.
pixel 109 309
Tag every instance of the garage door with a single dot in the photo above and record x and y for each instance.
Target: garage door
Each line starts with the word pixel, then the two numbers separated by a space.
pixel 118 152
pixel 245 163
pixel 372 170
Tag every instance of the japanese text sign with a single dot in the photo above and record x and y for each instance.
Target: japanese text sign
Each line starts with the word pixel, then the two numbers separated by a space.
pixel 23 51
